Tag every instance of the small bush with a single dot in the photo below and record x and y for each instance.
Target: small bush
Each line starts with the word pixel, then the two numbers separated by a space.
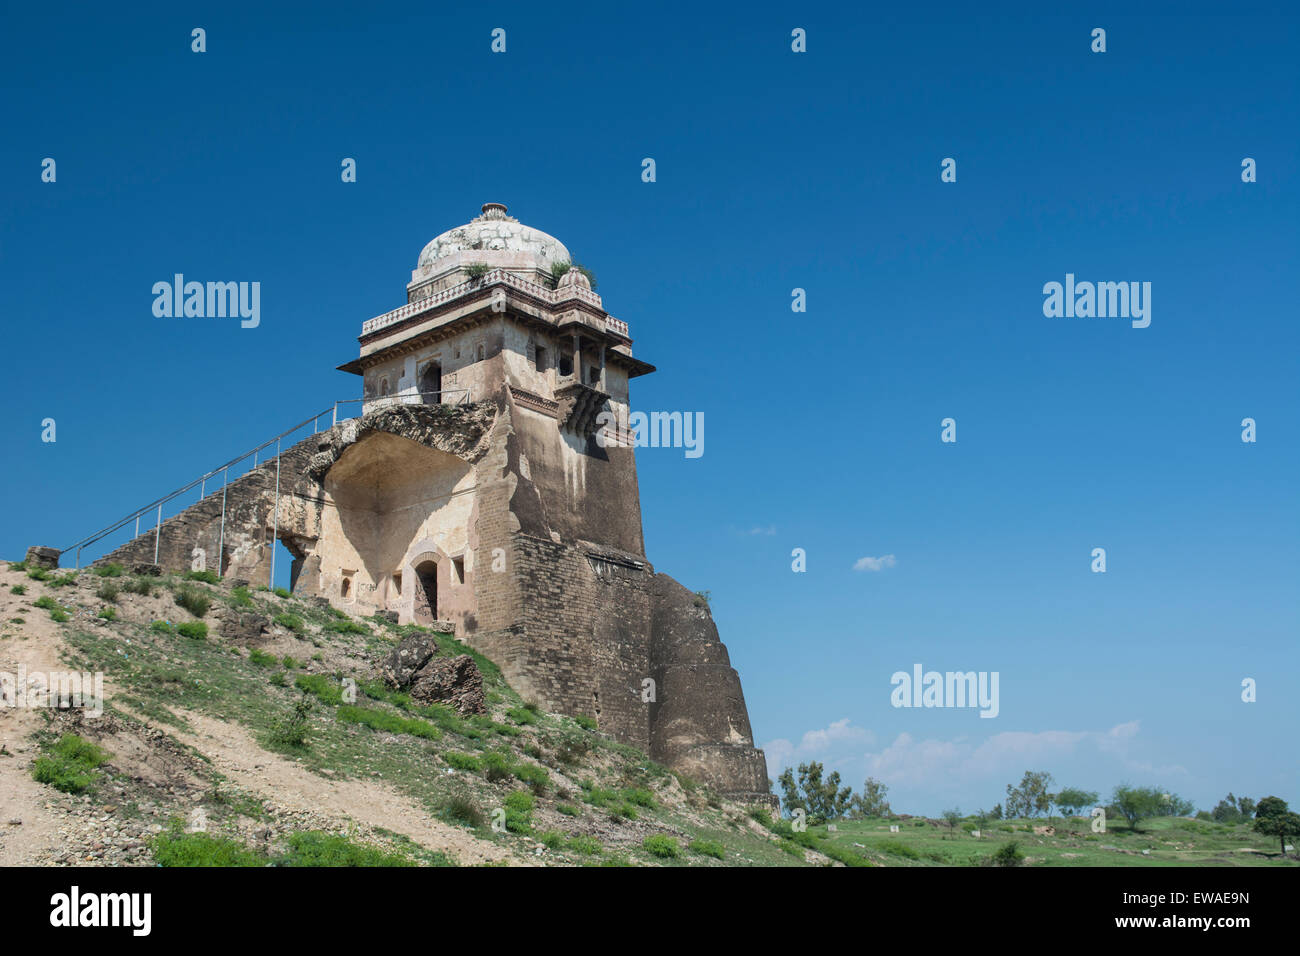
pixel 462 761
pixel 193 600
pixel 195 629
pixel 349 626
pixel 278 679
pixel 290 622
pixel 587 846
pixel 1008 855
pixel 19 589
pixel 664 847
pixel 290 662
pixel 317 848
pixel 69 765
pixel 207 577
pixel 38 574
pixel 108 591
pixel 261 658
pixel 642 798
pixel 323 688
pixel 551 839
pixel 496 767
pixel 708 848
pixel 521 715
pixel 59 616
pixel 533 775
pixel 161 627
pixel 110 570
pixel 290 731
pixel 64 580
pixel 281 593
pixel 140 585
pixel 240 597
pixel 519 809
pixel 585 722
pixel 45 603
pixel 461 809
pixel 568 809
pixel 390 723
pixel 107 613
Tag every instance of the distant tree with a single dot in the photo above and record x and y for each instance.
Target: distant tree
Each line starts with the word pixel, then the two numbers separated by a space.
pixel 1226 810
pixel 1072 800
pixel 1032 797
pixel 952 818
pixel 821 799
pixel 1176 806
pixel 1135 804
pixel 871 802
pixel 1273 818
pixel 1008 855
pixel 996 812
pixel 1246 806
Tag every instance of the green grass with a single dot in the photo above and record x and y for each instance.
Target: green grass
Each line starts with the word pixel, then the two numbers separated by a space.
pixel 316 848
pixel 664 847
pixel 18 589
pixel 290 622
pixel 70 764
pixel 110 570
pixel 281 593
pixel 462 761
pixel 261 658
pixel 327 690
pixel 193 629
pixel 388 722
pixel 193 600
pixel 708 848
pixel 207 577
pixel 107 613
pixel 240 598
pixel 176 848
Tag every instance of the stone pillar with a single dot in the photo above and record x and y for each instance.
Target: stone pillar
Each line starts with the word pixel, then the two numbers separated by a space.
pixel 40 557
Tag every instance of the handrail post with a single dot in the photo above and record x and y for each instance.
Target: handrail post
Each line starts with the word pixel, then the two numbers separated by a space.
pixel 275 526
pixel 157 535
pixel 335 420
pixel 221 541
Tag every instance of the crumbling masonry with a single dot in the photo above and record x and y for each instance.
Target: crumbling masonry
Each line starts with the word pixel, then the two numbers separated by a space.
pixel 513 515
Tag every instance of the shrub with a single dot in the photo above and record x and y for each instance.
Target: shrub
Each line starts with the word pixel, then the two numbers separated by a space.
pixel 278 679
pixel 585 722
pixel 326 690
pixel 240 597
pixel 289 662
pixel 477 270
pixel 45 603
pixel 161 627
pixel 348 626
pixel 195 629
pixel 642 798
pixel 521 715
pixel 533 775
pixel 1008 855
pixel 261 658
pixel 568 809
pixel 461 809
pixel 207 577
pixel 38 574
pixel 290 622
pixel 108 591
pixel 708 848
pixel 107 613
pixel 281 593
pixel 110 570
pixel 59 616
pixel 664 847
pixel 587 846
pixel 70 764
pixel 290 731
pixel 64 580
pixel 140 585
pixel 519 809
pixel 496 767
pixel 19 589
pixel 193 600
pixel 462 761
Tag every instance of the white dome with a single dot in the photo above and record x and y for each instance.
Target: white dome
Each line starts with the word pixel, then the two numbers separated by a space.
pixel 494 231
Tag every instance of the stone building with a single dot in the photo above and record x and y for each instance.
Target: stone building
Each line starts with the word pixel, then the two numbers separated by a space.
pixel 478 487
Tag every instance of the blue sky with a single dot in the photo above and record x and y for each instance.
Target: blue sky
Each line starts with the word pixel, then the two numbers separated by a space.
pixel 775 170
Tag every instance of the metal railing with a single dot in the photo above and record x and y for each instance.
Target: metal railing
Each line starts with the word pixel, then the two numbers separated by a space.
pixel 156 507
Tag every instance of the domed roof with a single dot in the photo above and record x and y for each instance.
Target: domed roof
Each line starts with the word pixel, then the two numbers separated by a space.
pixel 494 231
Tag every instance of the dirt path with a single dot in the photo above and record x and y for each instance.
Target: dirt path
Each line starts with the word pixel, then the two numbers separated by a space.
pixel 239 757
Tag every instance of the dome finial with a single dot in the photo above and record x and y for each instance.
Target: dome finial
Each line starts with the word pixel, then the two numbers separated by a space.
pixel 494 210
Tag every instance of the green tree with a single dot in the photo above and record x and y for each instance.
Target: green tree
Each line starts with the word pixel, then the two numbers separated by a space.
pixel 822 799
pixel 871 802
pixel 1274 818
pixel 1071 800
pixel 1135 804
pixel 1031 797
pixel 952 818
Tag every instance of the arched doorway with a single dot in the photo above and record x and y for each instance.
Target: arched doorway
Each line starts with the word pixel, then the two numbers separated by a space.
pixel 431 384
pixel 425 609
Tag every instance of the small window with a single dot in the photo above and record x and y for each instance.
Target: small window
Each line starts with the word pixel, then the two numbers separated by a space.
pixel 458 570
pixel 593 375
pixel 540 361
pixel 566 363
pixel 397 584
pixel 480 353
pixel 345 588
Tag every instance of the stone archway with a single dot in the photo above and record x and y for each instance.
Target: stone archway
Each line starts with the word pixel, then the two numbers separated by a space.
pixel 425 606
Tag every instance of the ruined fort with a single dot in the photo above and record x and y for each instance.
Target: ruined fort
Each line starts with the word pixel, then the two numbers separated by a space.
pixel 482 486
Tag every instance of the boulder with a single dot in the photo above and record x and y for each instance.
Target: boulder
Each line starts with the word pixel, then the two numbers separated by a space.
pixel 148 570
pixel 450 680
pixel 399 667
pixel 244 628
pixel 40 557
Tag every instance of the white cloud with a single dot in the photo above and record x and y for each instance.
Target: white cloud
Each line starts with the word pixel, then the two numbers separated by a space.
pixel 875 564
pixel 769 530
